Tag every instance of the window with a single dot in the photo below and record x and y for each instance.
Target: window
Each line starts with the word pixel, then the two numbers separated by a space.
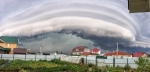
pixel 7 45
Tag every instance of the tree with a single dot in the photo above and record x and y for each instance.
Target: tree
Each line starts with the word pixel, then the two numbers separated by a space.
pixel 57 52
pixel 143 64
pixel 61 53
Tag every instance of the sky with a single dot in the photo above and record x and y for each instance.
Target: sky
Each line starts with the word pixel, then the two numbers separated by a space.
pixel 64 24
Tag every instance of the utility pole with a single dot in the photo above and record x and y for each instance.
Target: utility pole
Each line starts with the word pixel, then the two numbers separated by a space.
pixel 40 50
pixel 117 49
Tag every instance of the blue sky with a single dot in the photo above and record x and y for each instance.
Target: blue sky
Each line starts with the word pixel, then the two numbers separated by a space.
pixel 64 24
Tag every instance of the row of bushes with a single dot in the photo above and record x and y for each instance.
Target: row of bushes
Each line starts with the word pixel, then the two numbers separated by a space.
pixel 54 65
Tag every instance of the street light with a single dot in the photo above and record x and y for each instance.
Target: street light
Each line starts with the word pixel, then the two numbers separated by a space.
pixel 135 6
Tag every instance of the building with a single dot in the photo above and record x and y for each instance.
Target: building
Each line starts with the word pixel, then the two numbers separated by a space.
pixel 86 53
pixel 139 54
pixel 119 54
pixel 95 51
pixel 79 50
pixel 7 44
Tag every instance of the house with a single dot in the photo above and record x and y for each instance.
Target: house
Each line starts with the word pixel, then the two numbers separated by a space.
pixel 79 50
pixel 119 53
pixel 95 51
pixel 20 51
pixel 139 54
pixel 86 53
pixel 7 44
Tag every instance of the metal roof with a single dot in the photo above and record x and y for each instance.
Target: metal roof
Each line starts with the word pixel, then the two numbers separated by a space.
pixel 9 39
pixel 20 50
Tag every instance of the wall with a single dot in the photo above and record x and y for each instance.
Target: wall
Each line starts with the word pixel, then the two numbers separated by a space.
pixel 29 57
pixel 76 53
pixel 11 45
pixel 86 50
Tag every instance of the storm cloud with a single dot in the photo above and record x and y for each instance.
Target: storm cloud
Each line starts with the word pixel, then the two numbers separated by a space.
pixel 70 23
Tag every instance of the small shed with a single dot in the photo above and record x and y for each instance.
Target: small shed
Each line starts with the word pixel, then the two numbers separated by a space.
pixel 20 51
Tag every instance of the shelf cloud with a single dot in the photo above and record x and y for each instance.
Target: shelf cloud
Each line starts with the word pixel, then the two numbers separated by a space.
pixel 94 23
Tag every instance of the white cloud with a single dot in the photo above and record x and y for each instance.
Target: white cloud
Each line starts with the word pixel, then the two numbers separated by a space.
pixel 101 28
pixel 98 17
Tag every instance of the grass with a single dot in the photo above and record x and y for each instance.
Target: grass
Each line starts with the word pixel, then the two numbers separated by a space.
pixel 42 66
pixel 34 64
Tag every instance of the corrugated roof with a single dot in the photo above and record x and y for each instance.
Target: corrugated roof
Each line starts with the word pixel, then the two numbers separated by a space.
pixel 138 55
pixel 141 52
pixel 80 49
pixel 20 50
pixel 9 39
pixel 115 53
pixel 108 54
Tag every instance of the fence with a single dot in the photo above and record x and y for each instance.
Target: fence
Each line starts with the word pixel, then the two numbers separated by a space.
pixel 87 59
pixel 110 61
pixel 29 57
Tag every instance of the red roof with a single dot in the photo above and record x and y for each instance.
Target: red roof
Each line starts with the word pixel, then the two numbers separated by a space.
pixel 108 54
pixel 141 52
pixel 80 49
pixel 138 54
pixel 86 53
pixel 120 53
pixel 95 50
pixel 115 53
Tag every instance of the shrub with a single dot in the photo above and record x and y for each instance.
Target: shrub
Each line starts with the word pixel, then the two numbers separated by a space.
pixel 127 67
pixel 58 61
pixel 109 68
pixel 118 67
pixel 90 65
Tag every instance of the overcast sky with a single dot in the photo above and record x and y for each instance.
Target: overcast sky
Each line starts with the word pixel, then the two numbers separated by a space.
pixel 64 24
